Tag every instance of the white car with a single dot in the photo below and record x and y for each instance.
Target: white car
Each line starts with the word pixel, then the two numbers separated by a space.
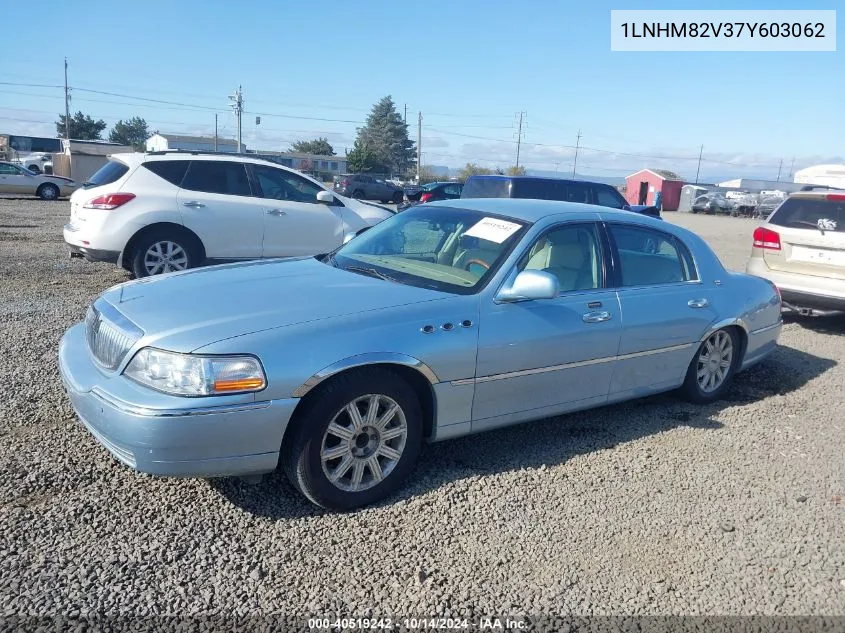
pixel 37 163
pixel 168 211
pixel 14 179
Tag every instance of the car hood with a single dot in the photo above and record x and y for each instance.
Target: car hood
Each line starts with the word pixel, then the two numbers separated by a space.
pixel 187 310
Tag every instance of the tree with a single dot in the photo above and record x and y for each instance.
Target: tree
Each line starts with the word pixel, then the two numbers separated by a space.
pixel 513 170
pixel 471 169
pixel 319 146
pixel 427 175
pixel 82 127
pixel 132 132
pixel 386 135
pixel 360 159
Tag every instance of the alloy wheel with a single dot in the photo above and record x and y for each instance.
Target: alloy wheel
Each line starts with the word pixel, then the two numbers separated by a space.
pixel 165 257
pixel 714 361
pixel 364 442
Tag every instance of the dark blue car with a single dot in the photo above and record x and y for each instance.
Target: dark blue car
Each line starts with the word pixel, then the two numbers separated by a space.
pixel 586 192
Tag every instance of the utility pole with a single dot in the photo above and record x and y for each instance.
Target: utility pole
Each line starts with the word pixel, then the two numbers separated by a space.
pixel 238 106
pixel 67 110
pixel 519 138
pixel 556 164
pixel 419 147
pixel 790 168
pixel 215 132
pixel 577 146
pixel 405 118
pixel 698 171
pixel 779 168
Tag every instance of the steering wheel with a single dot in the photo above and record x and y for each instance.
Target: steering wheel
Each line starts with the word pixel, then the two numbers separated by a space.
pixel 277 193
pixel 476 261
pixel 650 245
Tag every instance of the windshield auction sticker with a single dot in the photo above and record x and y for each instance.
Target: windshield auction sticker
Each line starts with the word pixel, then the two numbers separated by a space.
pixel 723 30
pixel 493 230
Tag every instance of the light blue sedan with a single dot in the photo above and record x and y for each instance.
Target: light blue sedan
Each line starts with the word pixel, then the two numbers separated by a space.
pixel 448 319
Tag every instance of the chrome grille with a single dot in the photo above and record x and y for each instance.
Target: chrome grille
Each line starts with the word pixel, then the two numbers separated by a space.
pixel 110 334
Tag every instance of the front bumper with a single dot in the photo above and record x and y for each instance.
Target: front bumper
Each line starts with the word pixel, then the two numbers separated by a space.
pixel 168 435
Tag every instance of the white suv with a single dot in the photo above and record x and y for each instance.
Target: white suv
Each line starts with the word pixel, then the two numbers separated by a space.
pixel 167 211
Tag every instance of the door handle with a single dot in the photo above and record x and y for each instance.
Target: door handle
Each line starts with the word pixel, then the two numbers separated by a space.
pixel 276 212
pixel 698 303
pixel 597 317
pixel 193 204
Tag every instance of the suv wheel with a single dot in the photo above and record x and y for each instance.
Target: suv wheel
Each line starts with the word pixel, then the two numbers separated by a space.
pixel 398 197
pixel 158 253
pixel 357 194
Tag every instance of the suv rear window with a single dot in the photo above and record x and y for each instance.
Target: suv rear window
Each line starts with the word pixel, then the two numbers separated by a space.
pixel 809 213
pixel 173 171
pixel 107 174
pixel 487 188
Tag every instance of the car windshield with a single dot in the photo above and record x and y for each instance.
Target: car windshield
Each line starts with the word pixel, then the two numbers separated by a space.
pixel 451 250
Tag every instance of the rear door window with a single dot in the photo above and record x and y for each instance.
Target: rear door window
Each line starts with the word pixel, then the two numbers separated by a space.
pixel 220 177
pixel 812 213
pixel 173 171
pixel 111 172
pixel 648 257
pixel 487 188
pixel 539 189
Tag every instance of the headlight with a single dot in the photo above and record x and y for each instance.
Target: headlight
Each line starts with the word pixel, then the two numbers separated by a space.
pixel 193 375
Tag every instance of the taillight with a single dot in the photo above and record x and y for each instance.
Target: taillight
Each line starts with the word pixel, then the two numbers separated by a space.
pixel 838 197
pixel 344 183
pixel 425 197
pixel 109 201
pixel 766 238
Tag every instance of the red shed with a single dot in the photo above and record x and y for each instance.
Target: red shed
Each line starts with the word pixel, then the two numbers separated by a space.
pixel 642 186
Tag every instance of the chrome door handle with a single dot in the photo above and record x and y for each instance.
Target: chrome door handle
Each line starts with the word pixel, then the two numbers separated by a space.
pixel 597 317
pixel 193 204
pixel 698 303
pixel 276 212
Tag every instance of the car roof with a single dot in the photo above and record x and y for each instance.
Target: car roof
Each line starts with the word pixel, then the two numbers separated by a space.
pixel 532 210
pixel 540 178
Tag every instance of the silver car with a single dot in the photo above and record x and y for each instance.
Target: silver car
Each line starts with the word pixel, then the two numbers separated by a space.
pixel 14 179
pixel 448 319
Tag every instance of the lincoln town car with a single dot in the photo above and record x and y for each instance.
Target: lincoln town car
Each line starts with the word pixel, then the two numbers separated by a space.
pixel 448 319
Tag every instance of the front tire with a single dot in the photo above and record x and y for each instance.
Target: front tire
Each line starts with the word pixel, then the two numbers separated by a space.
pixel 160 252
pixel 48 191
pixel 355 441
pixel 713 367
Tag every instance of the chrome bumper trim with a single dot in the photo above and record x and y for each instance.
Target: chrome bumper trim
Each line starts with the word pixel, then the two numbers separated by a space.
pixel 132 409
pixel 767 328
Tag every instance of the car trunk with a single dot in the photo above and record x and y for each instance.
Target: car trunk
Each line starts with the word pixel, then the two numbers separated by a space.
pixel 812 236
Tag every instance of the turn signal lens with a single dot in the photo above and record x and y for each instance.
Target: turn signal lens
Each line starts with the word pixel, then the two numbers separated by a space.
pixel 247 384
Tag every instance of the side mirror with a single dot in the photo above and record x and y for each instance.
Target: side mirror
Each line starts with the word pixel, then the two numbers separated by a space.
pixel 325 196
pixel 530 285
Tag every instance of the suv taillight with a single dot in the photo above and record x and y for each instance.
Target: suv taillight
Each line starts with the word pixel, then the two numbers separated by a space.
pixel 109 201
pixel 838 197
pixel 766 238
pixel 425 197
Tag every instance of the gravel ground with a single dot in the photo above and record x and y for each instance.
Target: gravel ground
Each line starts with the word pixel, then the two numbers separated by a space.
pixel 650 507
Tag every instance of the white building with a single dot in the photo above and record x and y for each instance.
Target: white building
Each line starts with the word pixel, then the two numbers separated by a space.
pixel 164 142
pixel 830 175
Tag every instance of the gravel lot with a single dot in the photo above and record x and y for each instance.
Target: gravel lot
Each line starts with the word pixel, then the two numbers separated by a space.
pixel 651 507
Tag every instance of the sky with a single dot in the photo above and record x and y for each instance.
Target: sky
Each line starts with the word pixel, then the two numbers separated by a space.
pixel 469 66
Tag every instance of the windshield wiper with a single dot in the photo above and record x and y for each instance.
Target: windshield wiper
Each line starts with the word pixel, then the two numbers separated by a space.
pixel 372 272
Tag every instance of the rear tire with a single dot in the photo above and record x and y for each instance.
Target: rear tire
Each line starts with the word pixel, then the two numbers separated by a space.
pixel 357 194
pixel 48 191
pixel 713 367
pixel 398 198
pixel 162 252
pixel 339 462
